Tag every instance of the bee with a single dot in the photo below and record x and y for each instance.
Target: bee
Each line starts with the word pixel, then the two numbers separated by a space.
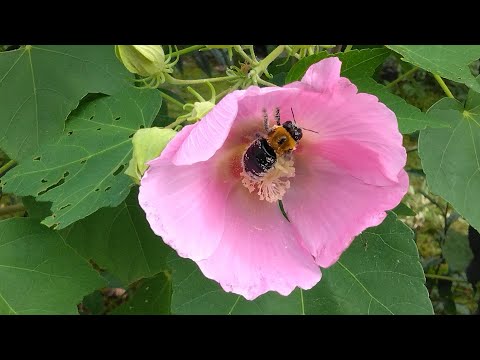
pixel 279 141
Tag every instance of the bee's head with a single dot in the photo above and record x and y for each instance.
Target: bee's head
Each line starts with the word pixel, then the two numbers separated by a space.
pixel 293 130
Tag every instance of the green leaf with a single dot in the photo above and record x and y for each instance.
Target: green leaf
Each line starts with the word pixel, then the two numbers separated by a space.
pixel 83 170
pixel 451 157
pixel 403 210
pixel 355 64
pixel 448 61
pixel 35 209
pixel 457 251
pixel 151 297
pixel 120 240
pixel 380 273
pixel 410 118
pixel 41 85
pixel 93 304
pixel 359 66
pixel 39 273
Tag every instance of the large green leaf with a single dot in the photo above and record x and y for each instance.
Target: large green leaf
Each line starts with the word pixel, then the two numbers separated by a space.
pixel 380 273
pixel 120 240
pixel 359 66
pixel 448 61
pixel 39 273
pixel 151 297
pixel 83 170
pixel 451 156
pixel 41 85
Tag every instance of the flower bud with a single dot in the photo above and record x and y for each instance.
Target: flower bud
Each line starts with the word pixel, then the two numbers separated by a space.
pixel 144 60
pixel 147 145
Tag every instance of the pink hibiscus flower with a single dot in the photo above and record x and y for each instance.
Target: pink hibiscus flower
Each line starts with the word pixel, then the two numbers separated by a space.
pixel 212 204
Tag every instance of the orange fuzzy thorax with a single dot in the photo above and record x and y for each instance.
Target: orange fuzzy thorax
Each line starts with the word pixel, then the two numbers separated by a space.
pixel 275 135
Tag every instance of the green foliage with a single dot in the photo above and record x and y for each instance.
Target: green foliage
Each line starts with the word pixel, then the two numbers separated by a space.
pixel 40 273
pixel 83 170
pixel 359 66
pixel 378 274
pixel 457 251
pixel 448 61
pixel 41 85
pixel 120 241
pixel 403 210
pixel 150 297
pixel 450 157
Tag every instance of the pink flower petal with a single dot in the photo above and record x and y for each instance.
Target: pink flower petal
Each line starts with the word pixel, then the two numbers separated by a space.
pixel 185 205
pixel 329 207
pixel 259 251
pixel 208 135
pixel 324 75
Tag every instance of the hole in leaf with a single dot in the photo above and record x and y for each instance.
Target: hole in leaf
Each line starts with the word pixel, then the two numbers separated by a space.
pixel 117 118
pixel 131 135
pixel 65 174
pixel 65 206
pixel 83 161
pixel 58 183
pixel 119 170
pixel 44 180
pixel 142 126
pixel 99 129
pixel 108 188
pixel 69 133
pixel 91 117
pixel 37 158
pixel 97 189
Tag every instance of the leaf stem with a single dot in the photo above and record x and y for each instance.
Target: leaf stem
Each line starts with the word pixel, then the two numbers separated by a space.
pixel 448 278
pixel 186 50
pixel 171 99
pixel 403 77
pixel 7 166
pixel 348 48
pixel 443 86
pixel 170 79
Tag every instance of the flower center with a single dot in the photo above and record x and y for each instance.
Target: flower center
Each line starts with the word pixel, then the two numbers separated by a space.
pixel 272 184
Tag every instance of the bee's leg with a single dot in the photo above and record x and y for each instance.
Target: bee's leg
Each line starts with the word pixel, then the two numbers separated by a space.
pixel 265 119
pixel 277 115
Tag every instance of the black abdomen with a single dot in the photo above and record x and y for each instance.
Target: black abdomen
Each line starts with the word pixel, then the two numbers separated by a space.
pixel 259 158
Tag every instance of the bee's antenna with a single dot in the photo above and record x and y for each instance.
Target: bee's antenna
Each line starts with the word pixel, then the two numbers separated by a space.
pixel 316 132
pixel 293 116
pixel 302 127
